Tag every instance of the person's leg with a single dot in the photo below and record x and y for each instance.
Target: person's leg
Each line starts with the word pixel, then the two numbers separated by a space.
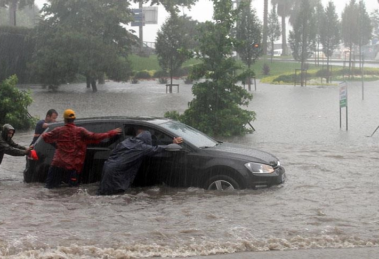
pixel 54 177
pixel 71 178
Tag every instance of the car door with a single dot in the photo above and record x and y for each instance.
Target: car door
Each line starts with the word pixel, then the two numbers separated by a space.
pixel 168 167
pixel 99 152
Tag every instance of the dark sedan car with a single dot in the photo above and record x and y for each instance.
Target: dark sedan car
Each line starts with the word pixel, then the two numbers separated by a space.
pixel 199 162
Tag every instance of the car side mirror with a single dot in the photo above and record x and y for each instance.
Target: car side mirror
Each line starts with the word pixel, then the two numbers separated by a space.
pixel 173 148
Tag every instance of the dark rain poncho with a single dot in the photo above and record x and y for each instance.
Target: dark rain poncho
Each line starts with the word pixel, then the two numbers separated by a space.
pixel 7 146
pixel 123 163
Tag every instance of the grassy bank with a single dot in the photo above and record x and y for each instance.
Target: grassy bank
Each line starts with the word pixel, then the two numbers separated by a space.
pixel 280 72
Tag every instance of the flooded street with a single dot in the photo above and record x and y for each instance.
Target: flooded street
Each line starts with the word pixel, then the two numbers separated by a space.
pixel 328 201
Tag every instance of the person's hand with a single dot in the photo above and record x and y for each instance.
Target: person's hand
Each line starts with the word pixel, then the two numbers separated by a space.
pixel 178 140
pixel 118 130
pixel 27 150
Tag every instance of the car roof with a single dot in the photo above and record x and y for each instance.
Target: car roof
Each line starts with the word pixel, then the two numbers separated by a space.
pixel 122 119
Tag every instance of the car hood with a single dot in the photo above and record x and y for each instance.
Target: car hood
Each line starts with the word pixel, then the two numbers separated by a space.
pixel 244 153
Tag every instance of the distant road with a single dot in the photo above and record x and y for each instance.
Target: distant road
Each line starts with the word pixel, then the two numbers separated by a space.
pixel 339 62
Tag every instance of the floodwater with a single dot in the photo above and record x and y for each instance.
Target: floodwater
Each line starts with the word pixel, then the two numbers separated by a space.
pixel 328 201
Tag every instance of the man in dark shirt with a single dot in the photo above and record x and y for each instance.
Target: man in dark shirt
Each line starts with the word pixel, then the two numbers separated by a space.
pixel 51 116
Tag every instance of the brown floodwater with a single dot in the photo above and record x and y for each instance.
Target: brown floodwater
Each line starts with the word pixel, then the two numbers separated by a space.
pixel 328 200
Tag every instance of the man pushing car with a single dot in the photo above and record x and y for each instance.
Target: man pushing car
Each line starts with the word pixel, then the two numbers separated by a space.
pixel 71 145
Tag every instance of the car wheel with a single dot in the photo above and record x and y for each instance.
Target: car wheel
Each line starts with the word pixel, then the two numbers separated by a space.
pixel 222 183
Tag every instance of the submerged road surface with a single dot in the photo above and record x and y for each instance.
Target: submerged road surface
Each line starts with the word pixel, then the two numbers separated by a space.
pixel 330 199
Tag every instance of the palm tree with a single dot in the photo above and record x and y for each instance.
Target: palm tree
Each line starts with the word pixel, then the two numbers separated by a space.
pixel 284 10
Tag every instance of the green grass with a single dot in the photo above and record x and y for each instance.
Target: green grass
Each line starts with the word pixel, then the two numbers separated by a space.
pixel 277 68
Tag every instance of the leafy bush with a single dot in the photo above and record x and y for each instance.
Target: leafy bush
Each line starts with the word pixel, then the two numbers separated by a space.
pixel 142 75
pixel 323 73
pixel 162 80
pixel 13 105
pixel 174 115
pixel 188 80
pixel 160 73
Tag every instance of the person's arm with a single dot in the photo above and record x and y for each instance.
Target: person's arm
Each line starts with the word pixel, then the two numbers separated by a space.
pixel 13 151
pixel 91 137
pixel 17 146
pixel 50 137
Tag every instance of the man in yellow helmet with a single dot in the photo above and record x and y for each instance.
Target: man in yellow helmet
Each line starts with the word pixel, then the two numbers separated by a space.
pixel 71 145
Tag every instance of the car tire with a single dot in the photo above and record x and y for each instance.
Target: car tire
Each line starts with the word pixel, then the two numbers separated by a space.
pixel 222 183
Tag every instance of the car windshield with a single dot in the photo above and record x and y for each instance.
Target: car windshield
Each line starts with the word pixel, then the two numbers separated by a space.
pixel 190 134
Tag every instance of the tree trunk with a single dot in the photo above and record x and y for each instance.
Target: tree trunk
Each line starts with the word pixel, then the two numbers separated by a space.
pixel 94 87
pixel 249 79
pixel 12 13
pixel 284 37
pixel 88 81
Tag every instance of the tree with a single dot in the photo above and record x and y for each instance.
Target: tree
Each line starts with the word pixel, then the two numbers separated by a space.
pixel 26 17
pixel 374 16
pixel 248 32
pixel 319 18
pixel 171 6
pixel 273 29
pixel 216 107
pixel 350 27
pixel 302 37
pixel 265 24
pixel 83 37
pixel 330 32
pixel 284 10
pixel 172 43
pixel 365 28
pixel 12 7
pixel 14 105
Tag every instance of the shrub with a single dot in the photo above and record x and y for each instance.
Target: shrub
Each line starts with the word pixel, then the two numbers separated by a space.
pixel 142 75
pixel 134 80
pixel 188 80
pixel 13 105
pixel 323 73
pixel 162 80
pixel 160 73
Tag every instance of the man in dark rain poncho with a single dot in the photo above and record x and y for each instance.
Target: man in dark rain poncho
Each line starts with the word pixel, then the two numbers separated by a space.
pixel 125 160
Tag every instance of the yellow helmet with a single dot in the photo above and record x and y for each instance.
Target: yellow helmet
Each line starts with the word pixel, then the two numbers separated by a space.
pixel 69 114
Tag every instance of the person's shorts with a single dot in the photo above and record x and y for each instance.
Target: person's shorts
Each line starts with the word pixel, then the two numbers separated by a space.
pixel 57 175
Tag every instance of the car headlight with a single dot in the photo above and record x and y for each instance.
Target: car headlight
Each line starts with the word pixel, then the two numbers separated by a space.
pixel 257 168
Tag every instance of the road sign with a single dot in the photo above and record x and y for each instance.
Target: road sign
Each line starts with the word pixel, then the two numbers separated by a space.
pixel 343 95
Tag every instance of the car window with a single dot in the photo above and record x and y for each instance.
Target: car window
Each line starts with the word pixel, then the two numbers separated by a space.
pixel 97 127
pixel 189 134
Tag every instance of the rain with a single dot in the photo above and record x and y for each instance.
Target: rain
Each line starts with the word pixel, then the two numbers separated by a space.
pixel 327 207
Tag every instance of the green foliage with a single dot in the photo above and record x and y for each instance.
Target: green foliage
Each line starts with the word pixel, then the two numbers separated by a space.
pixel 160 73
pixel 330 31
pixel 172 44
pixel 142 75
pixel 248 33
pixel 83 37
pixel 13 105
pixel 16 50
pixel 323 73
pixel 216 107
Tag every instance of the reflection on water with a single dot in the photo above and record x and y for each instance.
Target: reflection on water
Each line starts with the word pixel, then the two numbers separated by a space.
pixel 329 199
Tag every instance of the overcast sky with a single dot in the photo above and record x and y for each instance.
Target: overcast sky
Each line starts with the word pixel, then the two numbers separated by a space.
pixel 203 11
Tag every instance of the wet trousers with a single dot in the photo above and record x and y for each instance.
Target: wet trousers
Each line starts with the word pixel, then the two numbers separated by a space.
pixel 58 175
